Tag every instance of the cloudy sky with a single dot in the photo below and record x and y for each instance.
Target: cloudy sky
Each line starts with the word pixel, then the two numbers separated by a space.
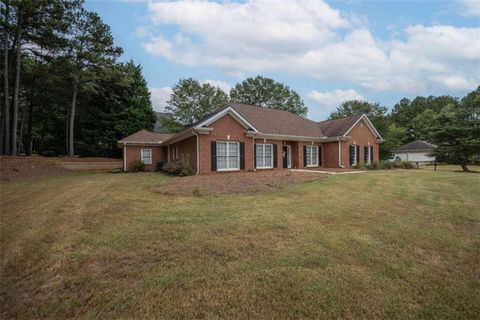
pixel 328 51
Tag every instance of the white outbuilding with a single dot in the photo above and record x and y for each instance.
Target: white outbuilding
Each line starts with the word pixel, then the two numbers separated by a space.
pixel 418 151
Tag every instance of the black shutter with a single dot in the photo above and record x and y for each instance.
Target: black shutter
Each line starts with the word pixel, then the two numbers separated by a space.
pixel 358 154
pixel 371 153
pixel 214 155
pixel 242 155
pixel 319 155
pixel 255 155
pixel 365 153
pixel 304 156
pixel 275 156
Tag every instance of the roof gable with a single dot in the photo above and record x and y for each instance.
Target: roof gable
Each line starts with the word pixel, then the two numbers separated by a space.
pixel 343 126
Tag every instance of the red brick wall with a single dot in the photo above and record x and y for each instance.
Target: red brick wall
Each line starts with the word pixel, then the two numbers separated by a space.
pixel 134 153
pixel 224 129
pixel 187 151
pixel 330 150
pixel 362 136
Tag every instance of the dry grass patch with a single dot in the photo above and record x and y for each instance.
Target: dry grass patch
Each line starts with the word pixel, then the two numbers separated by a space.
pixel 380 245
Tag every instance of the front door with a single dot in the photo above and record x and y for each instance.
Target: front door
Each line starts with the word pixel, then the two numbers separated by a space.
pixel 286 156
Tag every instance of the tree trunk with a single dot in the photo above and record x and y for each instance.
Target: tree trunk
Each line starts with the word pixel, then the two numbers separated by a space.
pixel 16 88
pixel 20 134
pixel 29 142
pixel 464 167
pixel 6 110
pixel 71 124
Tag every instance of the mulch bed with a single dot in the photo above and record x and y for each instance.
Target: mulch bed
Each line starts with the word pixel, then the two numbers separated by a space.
pixel 235 182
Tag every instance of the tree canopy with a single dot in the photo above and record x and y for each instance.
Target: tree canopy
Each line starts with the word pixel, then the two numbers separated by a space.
pixel 457 131
pixel 62 84
pixel 191 101
pixel 266 92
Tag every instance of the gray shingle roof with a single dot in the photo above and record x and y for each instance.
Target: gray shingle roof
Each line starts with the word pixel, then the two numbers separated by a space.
pixel 417 145
pixel 277 122
pixel 144 136
pixel 338 127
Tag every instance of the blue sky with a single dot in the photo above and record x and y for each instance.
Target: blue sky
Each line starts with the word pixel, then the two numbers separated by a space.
pixel 328 51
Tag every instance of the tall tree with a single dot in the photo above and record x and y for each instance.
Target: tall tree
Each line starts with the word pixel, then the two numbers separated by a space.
pixel 91 50
pixel 191 101
pixel 457 131
pixel 268 93
pixel 410 114
pixel 120 105
pixel 6 96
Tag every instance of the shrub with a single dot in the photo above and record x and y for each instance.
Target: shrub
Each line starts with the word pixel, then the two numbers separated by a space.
pixel 117 170
pixel 137 166
pixel 360 166
pixel 406 165
pixel 373 166
pixel 178 168
pixel 387 165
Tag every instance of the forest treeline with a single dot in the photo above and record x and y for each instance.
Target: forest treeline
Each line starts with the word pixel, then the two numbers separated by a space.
pixel 63 89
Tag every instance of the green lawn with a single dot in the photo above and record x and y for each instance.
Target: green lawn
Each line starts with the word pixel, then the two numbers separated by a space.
pixel 386 244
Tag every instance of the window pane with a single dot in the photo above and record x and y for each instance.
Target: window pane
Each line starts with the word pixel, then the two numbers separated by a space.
pixel 221 149
pixel 268 155
pixel 259 150
pixel 221 155
pixel 146 156
pixel 233 160
pixel 309 155
pixel 314 156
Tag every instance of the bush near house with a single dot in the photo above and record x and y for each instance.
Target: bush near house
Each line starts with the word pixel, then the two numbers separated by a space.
pixel 178 168
pixel 386 165
pixel 137 166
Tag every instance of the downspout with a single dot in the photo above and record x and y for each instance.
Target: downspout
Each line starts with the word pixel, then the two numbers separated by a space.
pixel 198 151
pixel 253 145
pixel 340 154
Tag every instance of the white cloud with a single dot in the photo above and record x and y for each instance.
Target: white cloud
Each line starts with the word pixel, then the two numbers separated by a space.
pixel 159 97
pixel 225 86
pixel 308 37
pixel 332 99
pixel 470 7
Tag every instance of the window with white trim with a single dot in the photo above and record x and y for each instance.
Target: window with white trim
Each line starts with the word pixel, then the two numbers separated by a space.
pixel 312 156
pixel 264 155
pixel 228 155
pixel 353 154
pixel 146 156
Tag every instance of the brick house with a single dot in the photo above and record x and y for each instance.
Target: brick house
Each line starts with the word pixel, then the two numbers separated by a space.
pixel 242 137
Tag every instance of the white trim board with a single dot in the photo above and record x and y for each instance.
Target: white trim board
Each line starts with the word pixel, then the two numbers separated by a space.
pixel 229 110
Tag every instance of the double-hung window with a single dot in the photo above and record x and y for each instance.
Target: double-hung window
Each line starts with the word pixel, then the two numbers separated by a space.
pixel 228 155
pixel 146 156
pixel 312 156
pixel 264 156
pixel 353 154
